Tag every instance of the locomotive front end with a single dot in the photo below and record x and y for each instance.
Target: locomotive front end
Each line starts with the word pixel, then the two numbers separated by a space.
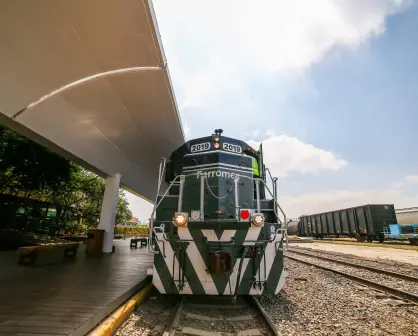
pixel 215 233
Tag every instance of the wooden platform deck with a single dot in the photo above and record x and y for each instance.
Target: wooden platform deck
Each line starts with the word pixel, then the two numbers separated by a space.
pixel 71 298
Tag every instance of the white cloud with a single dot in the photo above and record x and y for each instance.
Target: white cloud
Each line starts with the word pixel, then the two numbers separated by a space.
pixel 284 154
pixel 411 178
pixel 213 46
pixel 295 206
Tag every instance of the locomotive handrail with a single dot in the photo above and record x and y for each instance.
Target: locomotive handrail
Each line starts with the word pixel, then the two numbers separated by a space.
pixel 156 205
pixel 156 237
pixel 272 195
pixel 274 184
pixel 281 210
pixel 150 249
pixel 161 170
pixel 275 201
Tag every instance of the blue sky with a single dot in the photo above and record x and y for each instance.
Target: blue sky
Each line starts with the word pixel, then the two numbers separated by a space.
pixel 330 88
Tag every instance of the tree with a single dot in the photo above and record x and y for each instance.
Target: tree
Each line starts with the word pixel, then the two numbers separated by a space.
pixel 27 167
pixel 122 210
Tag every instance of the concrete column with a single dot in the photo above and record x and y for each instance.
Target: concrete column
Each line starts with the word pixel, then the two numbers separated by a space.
pixel 108 214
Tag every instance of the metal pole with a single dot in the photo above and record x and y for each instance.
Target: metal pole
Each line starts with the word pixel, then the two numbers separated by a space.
pixel 182 179
pixel 236 180
pixel 202 197
pixel 257 188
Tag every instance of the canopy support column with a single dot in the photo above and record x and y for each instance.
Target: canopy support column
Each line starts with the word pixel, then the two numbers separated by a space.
pixel 108 214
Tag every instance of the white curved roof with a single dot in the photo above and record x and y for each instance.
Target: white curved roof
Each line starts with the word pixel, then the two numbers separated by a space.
pixel 121 123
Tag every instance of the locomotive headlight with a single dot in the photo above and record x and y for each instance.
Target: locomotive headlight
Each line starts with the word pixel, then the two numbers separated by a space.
pixel 180 219
pixel 216 142
pixel 257 219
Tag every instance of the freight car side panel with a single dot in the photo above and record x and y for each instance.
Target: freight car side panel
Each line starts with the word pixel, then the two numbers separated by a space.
pixel 352 221
pixel 330 223
pixel 324 224
pixel 313 228
pixel 309 227
pixel 361 220
pixel 382 216
pixel 318 224
pixel 344 222
pixel 337 221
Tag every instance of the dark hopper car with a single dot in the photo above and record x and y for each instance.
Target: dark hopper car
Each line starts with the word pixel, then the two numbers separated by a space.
pixel 366 222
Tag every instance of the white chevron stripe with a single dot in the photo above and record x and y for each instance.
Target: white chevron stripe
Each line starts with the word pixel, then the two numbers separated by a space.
pixel 234 275
pixel 156 281
pixel 197 262
pixel 169 255
pixel 252 234
pixel 281 282
pixel 226 235
pixel 270 253
pixel 186 289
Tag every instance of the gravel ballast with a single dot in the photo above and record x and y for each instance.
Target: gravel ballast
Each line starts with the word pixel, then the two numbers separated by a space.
pixel 313 302
pixel 383 279
pixel 399 267
pixel 317 302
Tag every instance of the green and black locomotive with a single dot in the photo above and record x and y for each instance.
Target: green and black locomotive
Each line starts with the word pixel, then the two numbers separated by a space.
pixel 215 231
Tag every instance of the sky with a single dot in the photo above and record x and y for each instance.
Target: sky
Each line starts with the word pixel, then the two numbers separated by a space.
pixel 330 87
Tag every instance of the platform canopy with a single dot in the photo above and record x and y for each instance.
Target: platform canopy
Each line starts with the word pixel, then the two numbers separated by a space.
pixel 121 123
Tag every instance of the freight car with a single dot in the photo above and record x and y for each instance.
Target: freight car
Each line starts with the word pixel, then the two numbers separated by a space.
pixel 402 232
pixel 366 222
pixel 215 232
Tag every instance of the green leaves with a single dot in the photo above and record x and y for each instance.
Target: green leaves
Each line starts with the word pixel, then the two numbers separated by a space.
pixel 28 169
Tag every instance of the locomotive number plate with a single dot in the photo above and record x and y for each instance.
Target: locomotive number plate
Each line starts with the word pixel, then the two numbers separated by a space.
pixel 231 148
pixel 200 147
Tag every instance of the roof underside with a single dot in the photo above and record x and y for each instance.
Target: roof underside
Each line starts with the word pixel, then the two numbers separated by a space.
pixel 121 123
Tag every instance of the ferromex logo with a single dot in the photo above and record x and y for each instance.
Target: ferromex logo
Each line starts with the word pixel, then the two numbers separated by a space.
pixel 216 173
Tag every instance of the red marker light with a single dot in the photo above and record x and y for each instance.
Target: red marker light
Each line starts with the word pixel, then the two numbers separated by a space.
pixel 245 214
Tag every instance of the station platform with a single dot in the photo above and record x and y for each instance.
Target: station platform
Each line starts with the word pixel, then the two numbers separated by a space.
pixel 70 298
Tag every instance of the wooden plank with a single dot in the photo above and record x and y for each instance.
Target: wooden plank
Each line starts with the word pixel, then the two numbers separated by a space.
pixel 10 330
pixel 70 315
pixel 68 298
pixel 31 317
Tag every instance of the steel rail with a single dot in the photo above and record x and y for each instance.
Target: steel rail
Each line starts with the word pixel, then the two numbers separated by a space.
pixel 266 318
pixel 392 291
pixel 369 268
pixel 173 324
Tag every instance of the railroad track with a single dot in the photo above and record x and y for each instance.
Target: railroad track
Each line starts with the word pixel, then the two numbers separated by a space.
pixel 370 268
pixel 393 283
pixel 219 317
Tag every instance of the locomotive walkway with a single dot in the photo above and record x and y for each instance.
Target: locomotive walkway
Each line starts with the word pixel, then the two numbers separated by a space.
pixel 71 298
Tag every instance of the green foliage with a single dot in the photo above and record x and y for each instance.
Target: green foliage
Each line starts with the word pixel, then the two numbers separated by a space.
pixel 29 170
pixel 122 211
pixel 27 167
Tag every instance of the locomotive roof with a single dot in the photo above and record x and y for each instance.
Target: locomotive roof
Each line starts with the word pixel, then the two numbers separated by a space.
pixel 186 147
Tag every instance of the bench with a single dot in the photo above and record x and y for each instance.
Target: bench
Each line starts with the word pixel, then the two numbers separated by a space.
pixel 142 240
pixel 47 254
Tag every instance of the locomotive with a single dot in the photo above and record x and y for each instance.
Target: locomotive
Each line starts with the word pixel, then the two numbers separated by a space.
pixel 215 232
